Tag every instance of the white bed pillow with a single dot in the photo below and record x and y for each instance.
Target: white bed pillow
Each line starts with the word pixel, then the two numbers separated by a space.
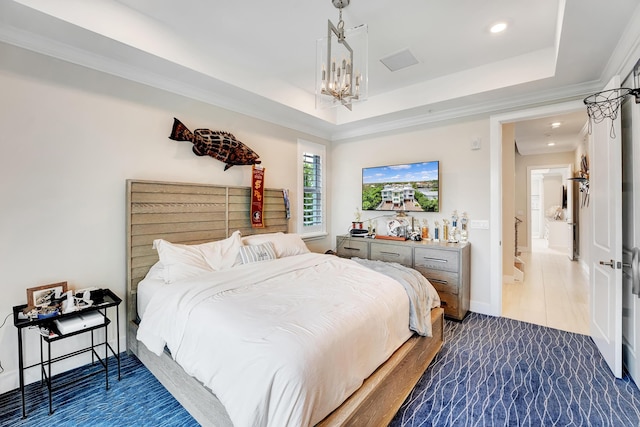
pixel 285 244
pixel 184 261
pixel 180 261
pixel 222 254
pixel 255 253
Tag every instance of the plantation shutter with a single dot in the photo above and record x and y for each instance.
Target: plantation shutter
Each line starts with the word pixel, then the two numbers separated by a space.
pixel 312 191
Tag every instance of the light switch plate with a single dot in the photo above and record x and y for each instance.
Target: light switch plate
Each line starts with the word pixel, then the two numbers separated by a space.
pixel 479 224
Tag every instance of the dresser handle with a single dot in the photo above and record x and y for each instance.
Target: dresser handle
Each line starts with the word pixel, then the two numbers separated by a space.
pixel 351 249
pixel 389 253
pixel 435 259
pixel 444 282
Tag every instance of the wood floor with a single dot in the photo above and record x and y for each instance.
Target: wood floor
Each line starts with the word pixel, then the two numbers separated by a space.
pixel 554 293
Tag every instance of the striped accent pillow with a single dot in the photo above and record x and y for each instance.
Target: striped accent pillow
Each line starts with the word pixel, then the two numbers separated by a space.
pixel 254 253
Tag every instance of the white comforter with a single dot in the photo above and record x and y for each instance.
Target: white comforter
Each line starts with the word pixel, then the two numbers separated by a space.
pixel 282 342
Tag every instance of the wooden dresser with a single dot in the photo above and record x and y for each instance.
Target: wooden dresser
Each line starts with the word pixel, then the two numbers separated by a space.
pixel 446 265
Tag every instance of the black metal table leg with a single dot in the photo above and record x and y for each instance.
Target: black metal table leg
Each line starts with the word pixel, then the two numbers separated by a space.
pixel 106 354
pixel 49 377
pixel 41 363
pixel 118 339
pixel 21 372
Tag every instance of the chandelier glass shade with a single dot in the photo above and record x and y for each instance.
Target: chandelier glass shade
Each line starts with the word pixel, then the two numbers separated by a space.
pixel 342 66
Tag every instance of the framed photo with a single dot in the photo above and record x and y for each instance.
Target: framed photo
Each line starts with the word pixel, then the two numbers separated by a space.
pixel 411 187
pixel 41 296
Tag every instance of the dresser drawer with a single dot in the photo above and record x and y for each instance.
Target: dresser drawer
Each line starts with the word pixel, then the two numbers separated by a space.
pixel 436 259
pixel 444 281
pixel 348 248
pixel 450 304
pixel 392 253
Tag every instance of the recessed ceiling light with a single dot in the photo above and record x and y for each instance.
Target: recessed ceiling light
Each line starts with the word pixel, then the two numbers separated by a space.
pixel 555 125
pixel 499 27
pixel 550 144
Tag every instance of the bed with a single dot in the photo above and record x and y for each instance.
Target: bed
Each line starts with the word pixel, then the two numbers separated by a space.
pixel 193 214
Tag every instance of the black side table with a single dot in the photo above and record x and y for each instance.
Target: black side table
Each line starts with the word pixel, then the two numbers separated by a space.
pixel 110 300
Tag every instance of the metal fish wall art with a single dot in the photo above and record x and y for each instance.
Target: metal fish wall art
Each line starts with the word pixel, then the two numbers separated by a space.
pixel 217 144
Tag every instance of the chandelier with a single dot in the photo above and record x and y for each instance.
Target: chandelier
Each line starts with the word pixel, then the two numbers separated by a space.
pixel 342 69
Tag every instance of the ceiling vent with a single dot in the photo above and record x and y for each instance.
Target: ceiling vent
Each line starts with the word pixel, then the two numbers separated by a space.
pixel 399 60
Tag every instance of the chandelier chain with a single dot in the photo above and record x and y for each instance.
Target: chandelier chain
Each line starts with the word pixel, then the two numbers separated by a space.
pixel 340 26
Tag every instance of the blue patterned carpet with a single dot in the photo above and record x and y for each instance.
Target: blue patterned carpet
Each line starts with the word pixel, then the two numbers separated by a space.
pixel 491 372
pixel 138 399
pixel 502 372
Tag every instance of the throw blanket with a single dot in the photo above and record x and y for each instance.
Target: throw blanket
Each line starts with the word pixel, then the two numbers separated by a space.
pixel 422 296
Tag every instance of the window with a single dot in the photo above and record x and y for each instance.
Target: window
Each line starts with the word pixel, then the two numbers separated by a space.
pixel 311 189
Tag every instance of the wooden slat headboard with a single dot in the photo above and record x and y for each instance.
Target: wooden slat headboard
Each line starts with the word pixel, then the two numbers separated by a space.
pixel 188 214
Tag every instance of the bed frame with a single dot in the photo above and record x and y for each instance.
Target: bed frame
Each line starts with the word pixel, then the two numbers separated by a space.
pixel 197 213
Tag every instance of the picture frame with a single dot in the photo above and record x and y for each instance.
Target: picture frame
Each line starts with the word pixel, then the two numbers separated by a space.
pixel 41 296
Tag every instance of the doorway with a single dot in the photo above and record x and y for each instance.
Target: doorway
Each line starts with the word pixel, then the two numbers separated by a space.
pixel 494 305
pixel 500 237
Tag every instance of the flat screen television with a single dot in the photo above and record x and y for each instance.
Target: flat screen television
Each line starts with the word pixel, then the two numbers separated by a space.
pixel 410 187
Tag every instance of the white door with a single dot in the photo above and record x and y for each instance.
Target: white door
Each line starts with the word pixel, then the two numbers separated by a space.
pixel 631 238
pixel 605 182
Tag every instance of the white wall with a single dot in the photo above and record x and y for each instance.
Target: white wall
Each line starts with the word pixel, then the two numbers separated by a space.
pixel 535 213
pixel 508 200
pixel 552 191
pixel 70 138
pixel 464 182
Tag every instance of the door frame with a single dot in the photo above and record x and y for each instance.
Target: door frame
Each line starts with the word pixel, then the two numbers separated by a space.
pixel 494 307
pixel 631 239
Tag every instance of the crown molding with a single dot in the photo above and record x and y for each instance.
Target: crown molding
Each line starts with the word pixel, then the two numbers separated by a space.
pixel 479 110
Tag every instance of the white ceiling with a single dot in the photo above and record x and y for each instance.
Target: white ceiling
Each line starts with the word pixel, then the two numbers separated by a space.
pixel 534 136
pixel 259 57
